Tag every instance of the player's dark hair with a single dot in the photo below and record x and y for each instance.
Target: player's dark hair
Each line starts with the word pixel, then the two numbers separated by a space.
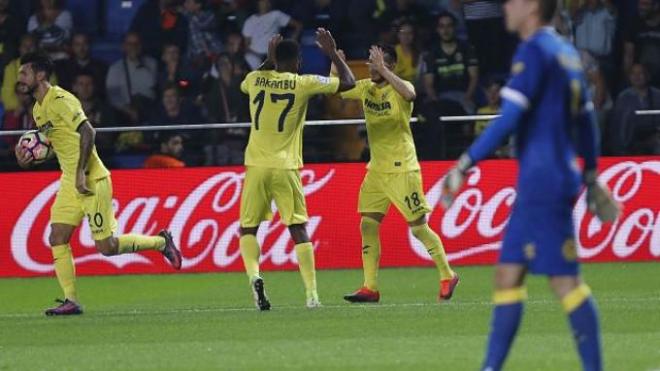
pixel 287 51
pixel 39 62
pixel 389 53
pixel 547 8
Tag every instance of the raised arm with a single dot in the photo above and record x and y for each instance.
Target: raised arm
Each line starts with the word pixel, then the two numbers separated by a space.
pixel 327 44
pixel 269 63
pixel 377 61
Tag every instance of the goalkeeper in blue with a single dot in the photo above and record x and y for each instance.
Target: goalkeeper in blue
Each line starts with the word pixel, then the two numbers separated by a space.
pixel 547 107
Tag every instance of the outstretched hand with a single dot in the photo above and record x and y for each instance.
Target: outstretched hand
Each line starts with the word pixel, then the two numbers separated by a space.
pixel 333 66
pixel 325 41
pixel 376 58
pixel 272 45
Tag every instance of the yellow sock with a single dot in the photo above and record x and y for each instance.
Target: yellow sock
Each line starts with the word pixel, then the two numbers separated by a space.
pixel 369 228
pixel 305 255
pixel 250 252
pixel 129 243
pixel 65 270
pixel 433 245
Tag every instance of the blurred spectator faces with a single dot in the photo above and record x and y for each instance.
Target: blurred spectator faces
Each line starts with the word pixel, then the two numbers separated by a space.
pixel 80 46
pixel 132 46
pixel 171 100
pixel 639 77
pixel 446 28
pixel 83 87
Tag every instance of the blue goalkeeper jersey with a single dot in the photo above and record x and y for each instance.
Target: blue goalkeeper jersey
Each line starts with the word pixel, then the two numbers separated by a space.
pixel 547 107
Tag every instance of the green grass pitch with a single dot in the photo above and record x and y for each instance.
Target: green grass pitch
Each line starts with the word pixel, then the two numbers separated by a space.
pixel 208 322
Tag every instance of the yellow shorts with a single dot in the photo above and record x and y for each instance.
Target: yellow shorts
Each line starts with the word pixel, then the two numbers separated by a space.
pixel 261 186
pixel 70 207
pixel 404 190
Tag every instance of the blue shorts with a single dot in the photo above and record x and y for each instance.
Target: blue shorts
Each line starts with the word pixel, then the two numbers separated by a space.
pixel 541 237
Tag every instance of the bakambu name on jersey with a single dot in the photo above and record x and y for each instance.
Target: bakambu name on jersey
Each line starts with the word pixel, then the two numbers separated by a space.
pixel 377 106
pixel 264 82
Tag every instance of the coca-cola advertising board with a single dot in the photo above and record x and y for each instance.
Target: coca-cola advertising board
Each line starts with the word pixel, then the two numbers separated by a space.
pixel 201 207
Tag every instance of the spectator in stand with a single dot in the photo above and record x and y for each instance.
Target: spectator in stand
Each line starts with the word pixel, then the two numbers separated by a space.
pixel 407 52
pixel 595 25
pixel 158 22
pixel 26 45
pixel 598 87
pixel 235 45
pixel 10 31
pixel 81 63
pixel 174 71
pixel 642 41
pixel 131 81
pixel 327 14
pixel 19 118
pixel 631 133
pixel 486 32
pixel 174 109
pixel 169 155
pixel 491 108
pixel 452 68
pixel 231 15
pixel 97 111
pixel 224 102
pixel 52 26
pixel 261 27
pixel 203 40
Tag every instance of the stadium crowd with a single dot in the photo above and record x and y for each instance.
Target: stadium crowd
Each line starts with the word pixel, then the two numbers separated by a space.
pixel 181 62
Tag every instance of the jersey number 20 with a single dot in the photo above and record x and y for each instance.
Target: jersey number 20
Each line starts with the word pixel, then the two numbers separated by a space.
pixel 274 98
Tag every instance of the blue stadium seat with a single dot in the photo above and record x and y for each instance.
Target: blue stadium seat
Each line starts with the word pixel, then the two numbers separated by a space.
pixel 118 17
pixel 86 15
pixel 313 59
pixel 133 161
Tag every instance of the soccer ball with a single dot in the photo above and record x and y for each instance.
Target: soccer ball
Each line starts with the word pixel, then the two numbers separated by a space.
pixel 37 144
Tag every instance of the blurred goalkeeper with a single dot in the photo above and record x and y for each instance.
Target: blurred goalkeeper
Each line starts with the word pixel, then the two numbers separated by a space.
pixel 546 105
pixel 85 185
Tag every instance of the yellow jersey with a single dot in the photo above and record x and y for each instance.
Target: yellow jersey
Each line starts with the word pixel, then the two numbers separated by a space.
pixel 405 68
pixel 278 106
pixel 58 117
pixel 387 114
pixel 481 125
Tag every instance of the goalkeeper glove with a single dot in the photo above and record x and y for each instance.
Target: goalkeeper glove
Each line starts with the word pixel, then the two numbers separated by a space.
pixel 454 180
pixel 599 199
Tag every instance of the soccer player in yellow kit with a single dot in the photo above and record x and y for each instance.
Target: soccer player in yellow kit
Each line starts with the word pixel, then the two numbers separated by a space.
pixel 273 157
pixel 85 186
pixel 393 175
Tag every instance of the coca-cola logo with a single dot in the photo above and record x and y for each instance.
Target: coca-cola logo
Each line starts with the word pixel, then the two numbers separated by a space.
pixel 188 225
pixel 201 208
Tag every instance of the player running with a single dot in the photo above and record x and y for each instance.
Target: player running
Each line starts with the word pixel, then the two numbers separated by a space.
pixel 273 157
pixel 393 175
pixel 546 105
pixel 85 185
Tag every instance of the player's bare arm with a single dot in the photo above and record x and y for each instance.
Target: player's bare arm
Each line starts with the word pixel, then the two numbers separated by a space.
pixel 328 46
pixel 377 61
pixel 87 136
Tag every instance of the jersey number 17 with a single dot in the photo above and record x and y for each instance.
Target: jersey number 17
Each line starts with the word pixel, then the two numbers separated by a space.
pixel 259 100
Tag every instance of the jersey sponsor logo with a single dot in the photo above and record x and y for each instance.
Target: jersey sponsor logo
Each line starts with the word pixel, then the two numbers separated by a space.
pixel 375 106
pixel 323 79
pixel 264 82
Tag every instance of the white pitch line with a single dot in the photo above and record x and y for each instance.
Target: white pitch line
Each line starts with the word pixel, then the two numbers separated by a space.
pixel 301 307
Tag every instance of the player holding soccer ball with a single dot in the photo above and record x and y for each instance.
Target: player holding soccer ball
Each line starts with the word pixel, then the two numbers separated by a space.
pixel 85 188
pixel 393 175
pixel 546 104
pixel 273 157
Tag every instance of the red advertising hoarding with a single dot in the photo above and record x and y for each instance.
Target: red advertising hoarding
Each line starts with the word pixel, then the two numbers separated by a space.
pixel 201 206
